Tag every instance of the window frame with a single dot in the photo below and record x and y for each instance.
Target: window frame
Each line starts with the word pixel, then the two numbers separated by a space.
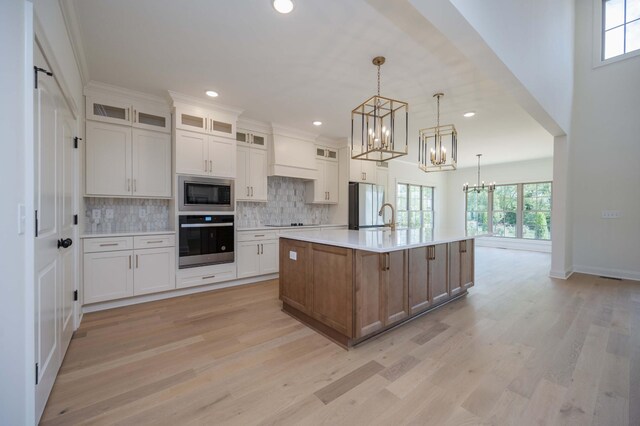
pixel 598 37
pixel 519 212
pixel 422 209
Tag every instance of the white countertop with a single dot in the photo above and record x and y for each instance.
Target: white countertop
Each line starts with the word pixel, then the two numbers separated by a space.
pixel 376 240
pixel 123 234
pixel 278 228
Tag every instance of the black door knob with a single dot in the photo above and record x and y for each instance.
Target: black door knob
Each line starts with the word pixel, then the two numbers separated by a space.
pixel 65 243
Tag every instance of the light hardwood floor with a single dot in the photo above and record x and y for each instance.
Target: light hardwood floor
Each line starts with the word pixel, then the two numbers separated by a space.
pixel 520 349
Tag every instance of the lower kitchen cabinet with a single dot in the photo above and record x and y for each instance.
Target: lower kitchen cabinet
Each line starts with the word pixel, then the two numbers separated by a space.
pixel 295 262
pixel 113 270
pixel 257 254
pixel 438 277
pixel 428 279
pixel 460 266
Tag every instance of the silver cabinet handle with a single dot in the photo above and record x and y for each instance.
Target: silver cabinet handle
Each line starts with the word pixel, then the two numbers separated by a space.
pixel 261 248
pixel 136 261
pixel 108 245
pixel 205 123
pixel 252 191
pixel 208 276
pixel 129 261
pixel 154 242
pixel 247 191
pixel 128 185
pixel 135 116
pixel 210 166
pixel 134 185
pixel 205 165
pixel 258 235
pixel 127 115
pixel 258 247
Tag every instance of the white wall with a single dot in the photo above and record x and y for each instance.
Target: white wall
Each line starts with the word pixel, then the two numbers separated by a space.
pixel 605 159
pixel 16 331
pixel 517 172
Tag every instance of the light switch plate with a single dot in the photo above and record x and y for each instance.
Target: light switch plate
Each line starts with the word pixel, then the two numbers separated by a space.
pixel 611 214
pixel 22 218
pixel 142 213
pixel 293 255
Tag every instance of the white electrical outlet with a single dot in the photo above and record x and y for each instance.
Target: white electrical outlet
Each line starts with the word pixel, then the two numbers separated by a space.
pixel 22 218
pixel 108 214
pixel 611 214
pixel 293 255
pixel 96 214
pixel 142 213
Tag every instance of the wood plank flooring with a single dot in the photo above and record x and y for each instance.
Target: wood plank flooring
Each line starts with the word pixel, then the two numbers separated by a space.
pixel 520 349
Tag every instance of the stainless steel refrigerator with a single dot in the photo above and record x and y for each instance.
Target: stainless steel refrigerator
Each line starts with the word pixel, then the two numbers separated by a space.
pixel 365 200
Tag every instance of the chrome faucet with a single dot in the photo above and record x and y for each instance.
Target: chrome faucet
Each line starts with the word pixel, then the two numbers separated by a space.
pixel 391 224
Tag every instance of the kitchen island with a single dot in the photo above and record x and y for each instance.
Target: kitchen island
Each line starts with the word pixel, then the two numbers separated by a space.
pixel 353 285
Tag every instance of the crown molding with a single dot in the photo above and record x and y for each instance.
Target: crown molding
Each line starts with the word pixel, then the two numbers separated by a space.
pixel 192 100
pixel 70 18
pixel 250 124
pixel 96 87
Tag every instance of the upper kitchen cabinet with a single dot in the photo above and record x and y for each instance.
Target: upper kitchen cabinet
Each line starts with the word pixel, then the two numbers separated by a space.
pixel 254 139
pixel 114 105
pixel 362 171
pixel 251 174
pixel 196 115
pixel 204 155
pixel 324 189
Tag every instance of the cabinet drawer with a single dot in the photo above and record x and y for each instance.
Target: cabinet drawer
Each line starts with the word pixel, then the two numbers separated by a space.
pixel 257 235
pixel 154 241
pixel 96 245
pixel 207 275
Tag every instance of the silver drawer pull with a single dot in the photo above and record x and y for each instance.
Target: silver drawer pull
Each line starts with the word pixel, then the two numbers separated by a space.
pixel 109 245
pixel 155 242
pixel 208 276
pixel 261 235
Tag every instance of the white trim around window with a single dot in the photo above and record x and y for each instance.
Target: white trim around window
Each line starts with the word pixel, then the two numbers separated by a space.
pixel 598 39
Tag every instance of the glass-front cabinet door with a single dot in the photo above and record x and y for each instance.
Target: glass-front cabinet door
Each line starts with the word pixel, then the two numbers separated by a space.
pixel 192 119
pixel 109 110
pixel 150 118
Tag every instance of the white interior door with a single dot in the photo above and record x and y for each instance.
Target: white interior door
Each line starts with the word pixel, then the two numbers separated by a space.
pixel 55 260
pixel 151 163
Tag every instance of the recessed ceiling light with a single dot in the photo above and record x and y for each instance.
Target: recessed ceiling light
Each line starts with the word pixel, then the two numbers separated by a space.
pixel 211 93
pixel 469 114
pixel 283 6
pixel 317 123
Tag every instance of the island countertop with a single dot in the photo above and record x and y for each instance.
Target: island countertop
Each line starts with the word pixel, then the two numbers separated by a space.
pixel 379 240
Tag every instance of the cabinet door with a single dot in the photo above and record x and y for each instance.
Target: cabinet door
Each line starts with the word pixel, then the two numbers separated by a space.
pixel 109 110
pixel 369 171
pixel 151 163
pixel 258 175
pixel 418 279
pixel 355 171
pixel 467 264
pixel 151 118
pixel 222 125
pixel 296 266
pixel 455 285
pixel 438 274
pixel 155 270
pixel 248 259
pixel 396 286
pixel 259 140
pixel 369 293
pixel 222 157
pixel 331 181
pixel 243 174
pixel 194 119
pixel 192 153
pixel 108 276
pixel 269 257
pixel 108 159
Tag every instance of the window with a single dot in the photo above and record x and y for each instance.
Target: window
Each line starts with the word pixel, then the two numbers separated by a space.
pixel 620 27
pixel 512 211
pixel 415 206
pixel 536 221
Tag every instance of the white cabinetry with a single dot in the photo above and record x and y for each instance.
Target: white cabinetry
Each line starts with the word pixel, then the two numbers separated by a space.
pixel 192 277
pixel 257 253
pixel 324 189
pixel 362 171
pixel 129 112
pixel 119 267
pixel 121 161
pixel 292 153
pixel 201 120
pixel 251 180
pixel 250 137
pixel 205 155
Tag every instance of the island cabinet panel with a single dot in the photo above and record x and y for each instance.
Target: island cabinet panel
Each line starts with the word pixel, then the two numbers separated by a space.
pixel 295 268
pixel 370 305
pixel 419 280
pixel 396 286
pixel 438 274
pixel 332 287
pixel 460 266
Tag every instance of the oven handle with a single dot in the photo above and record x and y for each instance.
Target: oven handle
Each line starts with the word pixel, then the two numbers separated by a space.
pixel 204 225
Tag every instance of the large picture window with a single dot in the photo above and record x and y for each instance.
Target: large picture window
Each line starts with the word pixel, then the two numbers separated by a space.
pixel 512 211
pixel 620 27
pixel 415 206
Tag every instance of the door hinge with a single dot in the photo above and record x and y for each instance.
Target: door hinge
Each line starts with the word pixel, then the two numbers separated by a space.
pixel 36 223
pixel 75 295
pixel 75 219
pixel 36 70
pixel 36 373
pixel 75 142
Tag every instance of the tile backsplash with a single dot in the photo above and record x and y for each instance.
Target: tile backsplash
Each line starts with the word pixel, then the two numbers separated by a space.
pixel 285 204
pixel 126 215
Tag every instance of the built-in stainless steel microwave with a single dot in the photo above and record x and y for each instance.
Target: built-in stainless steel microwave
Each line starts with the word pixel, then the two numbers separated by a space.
pixel 205 194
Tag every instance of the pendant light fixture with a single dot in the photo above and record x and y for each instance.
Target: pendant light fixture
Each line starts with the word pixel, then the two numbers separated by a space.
pixel 438 146
pixel 479 187
pixel 379 126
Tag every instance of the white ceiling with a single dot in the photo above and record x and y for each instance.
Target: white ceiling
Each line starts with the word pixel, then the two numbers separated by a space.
pixel 313 64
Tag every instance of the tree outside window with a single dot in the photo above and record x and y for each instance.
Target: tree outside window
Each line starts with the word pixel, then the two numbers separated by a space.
pixel 537 211
pixel 415 206
pixel 505 207
pixel 477 213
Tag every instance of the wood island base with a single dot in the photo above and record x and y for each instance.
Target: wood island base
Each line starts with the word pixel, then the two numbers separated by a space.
pixel 350 295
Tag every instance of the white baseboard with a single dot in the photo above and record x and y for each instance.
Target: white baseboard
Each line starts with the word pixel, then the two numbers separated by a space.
pixel 514 244
pixel 560 274
pixel 608 272
pixel 95 307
